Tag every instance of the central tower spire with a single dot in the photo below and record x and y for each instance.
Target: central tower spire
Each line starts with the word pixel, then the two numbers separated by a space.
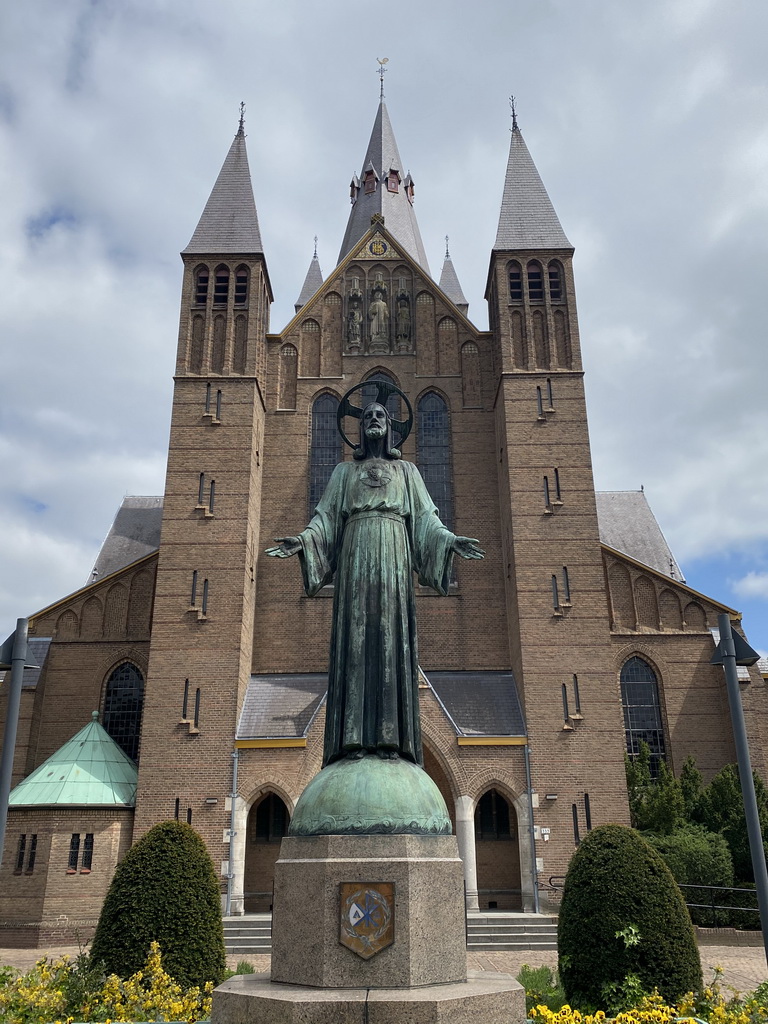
pixel 384 188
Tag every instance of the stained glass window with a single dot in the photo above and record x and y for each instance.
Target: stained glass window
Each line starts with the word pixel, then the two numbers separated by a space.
pixel 123 705
pixel 434 454
pixel 326 447
pixel 642 710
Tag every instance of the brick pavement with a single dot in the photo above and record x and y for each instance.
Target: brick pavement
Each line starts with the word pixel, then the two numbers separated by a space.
pixel 744 967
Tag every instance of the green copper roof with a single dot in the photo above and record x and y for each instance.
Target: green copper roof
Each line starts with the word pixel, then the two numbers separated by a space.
pixel 89 770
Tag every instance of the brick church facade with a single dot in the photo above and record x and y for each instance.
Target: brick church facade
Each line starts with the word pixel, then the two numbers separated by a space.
pixel 576 637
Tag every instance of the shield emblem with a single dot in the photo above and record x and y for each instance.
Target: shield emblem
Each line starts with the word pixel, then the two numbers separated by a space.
pixel 367 916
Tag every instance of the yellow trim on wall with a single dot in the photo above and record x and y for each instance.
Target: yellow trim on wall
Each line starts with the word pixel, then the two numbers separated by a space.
pixel 492 741
pixel 265 744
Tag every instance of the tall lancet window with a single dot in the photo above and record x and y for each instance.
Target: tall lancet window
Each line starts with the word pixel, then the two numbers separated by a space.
pixel 123 705
pixel 642 710
pixel 434 453
pixel 326 447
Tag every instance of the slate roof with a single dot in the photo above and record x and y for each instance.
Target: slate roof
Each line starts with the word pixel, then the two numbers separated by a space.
pixel 399 217
pixel 312 282
pixel 627 524
pixel 281 706
pixel 37 651
pixel 527 219
pixel 449 283
pixel 89 770
pixel 134 533
pixel 229 223
pixel 480 703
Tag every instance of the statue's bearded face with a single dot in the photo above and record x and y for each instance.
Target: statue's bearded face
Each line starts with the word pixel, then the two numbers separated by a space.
pixel 375 420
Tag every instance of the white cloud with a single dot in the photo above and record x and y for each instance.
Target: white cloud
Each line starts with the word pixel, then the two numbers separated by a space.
pixel 116 119
pixel 754 584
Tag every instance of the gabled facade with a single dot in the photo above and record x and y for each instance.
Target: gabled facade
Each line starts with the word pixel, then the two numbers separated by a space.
pixel 531 666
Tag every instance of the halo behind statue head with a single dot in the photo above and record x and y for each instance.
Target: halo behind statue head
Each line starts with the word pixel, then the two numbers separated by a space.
pixel 384 390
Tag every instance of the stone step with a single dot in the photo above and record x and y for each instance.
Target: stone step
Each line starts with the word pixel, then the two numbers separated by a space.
pixel 251 935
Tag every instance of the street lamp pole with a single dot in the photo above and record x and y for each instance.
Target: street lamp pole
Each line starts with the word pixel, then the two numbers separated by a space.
pixel 733 650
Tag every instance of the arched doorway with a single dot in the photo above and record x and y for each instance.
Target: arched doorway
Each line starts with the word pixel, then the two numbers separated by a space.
pixel 497 850
pixel 267 824
pixel 435 771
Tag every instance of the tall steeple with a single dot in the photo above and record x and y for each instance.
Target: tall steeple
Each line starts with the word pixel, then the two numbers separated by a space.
pixel 527 219
pixel 384 188
pixel 312 281
pixel 449 282
pixel 229 223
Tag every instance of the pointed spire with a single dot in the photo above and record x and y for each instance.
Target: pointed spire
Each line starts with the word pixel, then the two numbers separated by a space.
pixel 527 219
pixel 384 188
pixel 229 223
pixel 449 283
pixel 312 281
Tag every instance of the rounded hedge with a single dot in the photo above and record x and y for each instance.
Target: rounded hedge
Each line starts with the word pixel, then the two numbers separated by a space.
pixel 165 890
pixel 616 880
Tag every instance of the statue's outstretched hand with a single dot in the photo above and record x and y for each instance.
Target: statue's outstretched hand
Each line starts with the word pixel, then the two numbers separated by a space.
pixel 468 547
pixel 286 546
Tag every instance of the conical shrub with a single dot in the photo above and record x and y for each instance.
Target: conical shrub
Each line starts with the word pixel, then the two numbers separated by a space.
pixel 165 890
pixel 617 883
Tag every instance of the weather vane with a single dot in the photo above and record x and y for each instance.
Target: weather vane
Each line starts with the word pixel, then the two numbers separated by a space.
pixel 382 61
pixel 315 256
pixel 241 127
pixel 514 114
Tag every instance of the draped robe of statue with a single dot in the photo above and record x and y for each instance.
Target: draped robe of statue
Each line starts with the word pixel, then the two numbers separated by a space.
pixel 374 526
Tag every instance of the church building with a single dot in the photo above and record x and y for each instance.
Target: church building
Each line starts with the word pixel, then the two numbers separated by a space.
pixel 188 679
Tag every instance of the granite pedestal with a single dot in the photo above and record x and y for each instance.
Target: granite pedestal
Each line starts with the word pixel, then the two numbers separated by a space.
pixel 429 944
pixel 484 997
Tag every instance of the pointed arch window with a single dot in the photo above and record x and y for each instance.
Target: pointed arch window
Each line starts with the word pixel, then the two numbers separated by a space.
pixel 535 282
pixel 325 449
pixel 221 286
pixel 434 453
pixel 241 286
pixel 370 392
pixel 123 706
pixel 369 182
pixel 515 282
pixel 642 710
pixel 555 281
pixel 201 286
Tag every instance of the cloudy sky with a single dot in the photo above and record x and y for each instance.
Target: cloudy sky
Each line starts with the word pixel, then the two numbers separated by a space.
pixel 648 123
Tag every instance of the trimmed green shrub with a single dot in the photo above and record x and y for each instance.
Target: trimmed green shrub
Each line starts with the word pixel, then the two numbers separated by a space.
pixel 697 857
pixel 164 890
pixel 623 921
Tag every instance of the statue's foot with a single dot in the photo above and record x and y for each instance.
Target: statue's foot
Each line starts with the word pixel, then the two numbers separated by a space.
pixel 387 755
pixel 355 755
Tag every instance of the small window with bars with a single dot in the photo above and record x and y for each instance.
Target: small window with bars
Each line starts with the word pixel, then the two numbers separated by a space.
pixel 85 861
pixel 555 282
pixel 26 853
pixel 515 282
pixel 221 286
pixel 241 286
pixel 201 286
pixel 535 282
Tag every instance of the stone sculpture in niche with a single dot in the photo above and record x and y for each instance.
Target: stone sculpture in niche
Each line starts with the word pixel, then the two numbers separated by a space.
pixel 403 326
pixel 378 315
pixel 373 528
